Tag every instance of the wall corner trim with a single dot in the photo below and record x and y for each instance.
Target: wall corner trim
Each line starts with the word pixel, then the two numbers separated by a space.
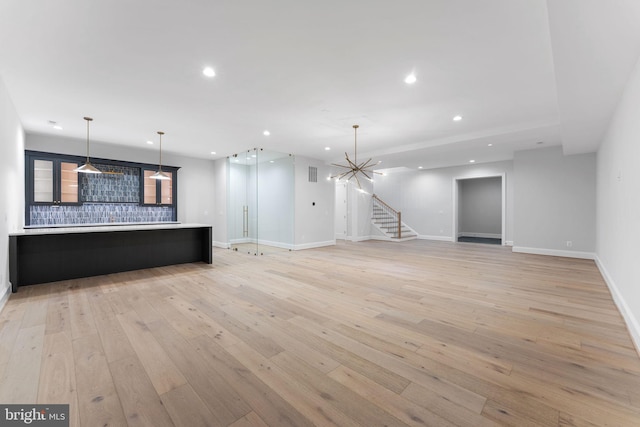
pixel 633 325
pixel 554 252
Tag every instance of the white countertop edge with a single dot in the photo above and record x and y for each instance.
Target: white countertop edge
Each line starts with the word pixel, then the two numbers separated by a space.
pixel 105 228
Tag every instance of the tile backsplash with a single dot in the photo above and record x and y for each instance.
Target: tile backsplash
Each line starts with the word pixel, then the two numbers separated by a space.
pixel 98 213
pixel 117 184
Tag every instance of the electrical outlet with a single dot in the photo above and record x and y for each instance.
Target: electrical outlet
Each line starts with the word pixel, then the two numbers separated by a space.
pixel 569 243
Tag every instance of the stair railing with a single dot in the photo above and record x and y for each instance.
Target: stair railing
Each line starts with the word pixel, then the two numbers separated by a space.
pixel 394 214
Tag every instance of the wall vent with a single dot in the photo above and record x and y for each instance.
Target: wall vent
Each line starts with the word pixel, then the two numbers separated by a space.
pixel 313 174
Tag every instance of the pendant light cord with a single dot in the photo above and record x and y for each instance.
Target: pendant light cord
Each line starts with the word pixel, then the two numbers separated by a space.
pixel 355 144
pixel 160 164
pixel 88 119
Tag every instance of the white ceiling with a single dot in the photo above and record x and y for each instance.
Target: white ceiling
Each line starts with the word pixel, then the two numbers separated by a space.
pixel 518 71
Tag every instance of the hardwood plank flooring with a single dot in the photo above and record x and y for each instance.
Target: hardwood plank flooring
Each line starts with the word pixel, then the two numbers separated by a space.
pixel 419 333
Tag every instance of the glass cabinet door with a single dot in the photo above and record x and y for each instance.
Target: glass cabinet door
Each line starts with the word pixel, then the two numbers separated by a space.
pixel 149 188
pixel 68 182
pixel 166 190
pixel 43 181
pixel 55 182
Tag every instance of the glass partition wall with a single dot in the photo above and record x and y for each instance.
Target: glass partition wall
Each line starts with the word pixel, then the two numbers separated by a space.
pixel 260 202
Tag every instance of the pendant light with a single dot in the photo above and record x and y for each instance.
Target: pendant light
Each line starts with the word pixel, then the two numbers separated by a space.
pixel 87 167
pixel 160 174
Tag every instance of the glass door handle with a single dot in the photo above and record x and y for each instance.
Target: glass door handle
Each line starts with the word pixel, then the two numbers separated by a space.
pixel 245 221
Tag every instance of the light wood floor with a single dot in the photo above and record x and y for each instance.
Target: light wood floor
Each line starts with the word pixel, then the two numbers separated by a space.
pixel 360 334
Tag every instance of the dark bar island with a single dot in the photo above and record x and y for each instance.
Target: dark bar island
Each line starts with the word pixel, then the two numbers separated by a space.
pixel 41 255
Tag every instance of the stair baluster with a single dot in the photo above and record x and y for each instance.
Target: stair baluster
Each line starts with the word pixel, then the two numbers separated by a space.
pixel 389 221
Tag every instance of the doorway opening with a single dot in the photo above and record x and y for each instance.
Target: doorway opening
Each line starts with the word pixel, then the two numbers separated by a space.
pixel 479 209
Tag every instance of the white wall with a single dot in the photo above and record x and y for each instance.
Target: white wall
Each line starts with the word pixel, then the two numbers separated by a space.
pixel 555 203
pixel 618 206
pixel 196 178
pixel 341 210
pixel 480 207
pixel 220 231
pixel 425 198
pixel 11 182
pixel 276 200
pixel 359 210
pixel 314 225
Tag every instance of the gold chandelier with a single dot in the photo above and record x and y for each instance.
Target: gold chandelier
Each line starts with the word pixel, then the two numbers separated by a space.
pixel 353 168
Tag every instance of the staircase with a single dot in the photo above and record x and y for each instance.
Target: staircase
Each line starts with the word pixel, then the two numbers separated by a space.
pixel 389 222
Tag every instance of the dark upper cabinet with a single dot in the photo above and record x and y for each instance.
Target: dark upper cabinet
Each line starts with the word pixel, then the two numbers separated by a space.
pixel 52 181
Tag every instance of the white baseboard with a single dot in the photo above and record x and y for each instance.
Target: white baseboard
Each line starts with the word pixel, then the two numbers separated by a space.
pixel 554 252
pixel 384 238
pixel 359 238
pixel 314 245
pixel 255 242
pixel 508 243
pixel 630 319
pixel 5 297
pixel 242 240
pixel 221 245
pixel 440 238
pixel 280 245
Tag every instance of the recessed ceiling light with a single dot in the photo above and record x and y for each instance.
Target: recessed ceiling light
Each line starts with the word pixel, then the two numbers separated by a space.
pixel 410 79
pixel 266 133
pixel 457 118
pixel 327 148
pixel 150 142
pixel 57 127
pixel 489 145
pixel 208 71
pixel 472 161
pixel 419 167
pixel 271 161
pixel 213 153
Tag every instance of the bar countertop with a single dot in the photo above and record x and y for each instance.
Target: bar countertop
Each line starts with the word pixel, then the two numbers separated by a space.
pixel 43 255
pixel 105 228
